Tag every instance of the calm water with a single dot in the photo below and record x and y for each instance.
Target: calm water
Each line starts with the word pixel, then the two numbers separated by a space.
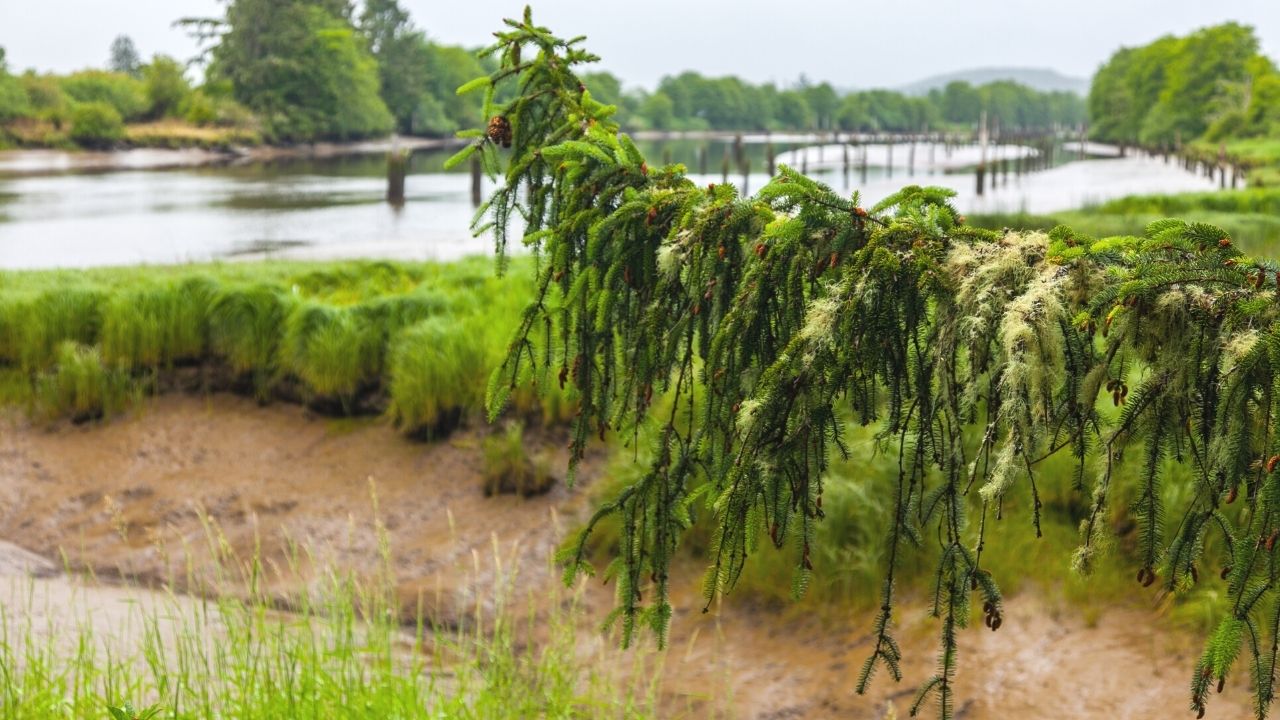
pixel 334 208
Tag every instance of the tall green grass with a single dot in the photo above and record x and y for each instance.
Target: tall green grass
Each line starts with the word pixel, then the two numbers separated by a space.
pixel 1251 216
pixel 439 369
pixel 79 385
pixel 345 651
pixel 415 339
pixel 333 351
pixel 158 325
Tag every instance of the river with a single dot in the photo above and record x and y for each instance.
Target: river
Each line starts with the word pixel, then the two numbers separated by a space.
pixel 334 207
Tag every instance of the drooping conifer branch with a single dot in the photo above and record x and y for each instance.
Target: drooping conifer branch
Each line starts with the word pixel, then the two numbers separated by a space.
pixel 767 323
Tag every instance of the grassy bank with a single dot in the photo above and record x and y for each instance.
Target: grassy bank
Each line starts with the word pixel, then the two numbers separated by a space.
pixel 1259 157
pixel 1252 216
pixel 166 134
pixel 414 340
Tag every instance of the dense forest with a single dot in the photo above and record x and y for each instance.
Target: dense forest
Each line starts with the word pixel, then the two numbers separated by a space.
pixel 1208 94
pixel 285 71
pixel 1212 83
pixel 690 101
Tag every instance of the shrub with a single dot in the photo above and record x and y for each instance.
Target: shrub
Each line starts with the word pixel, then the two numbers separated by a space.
pixel 199 109
pixel 166 87
pixel 126 94
pixel 96 124
pixel 48 101
pixel 13 98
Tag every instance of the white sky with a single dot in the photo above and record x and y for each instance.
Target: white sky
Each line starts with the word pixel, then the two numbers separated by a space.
pixel 851 43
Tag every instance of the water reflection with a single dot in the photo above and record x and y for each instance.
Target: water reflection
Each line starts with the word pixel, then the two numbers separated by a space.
pixel 336 207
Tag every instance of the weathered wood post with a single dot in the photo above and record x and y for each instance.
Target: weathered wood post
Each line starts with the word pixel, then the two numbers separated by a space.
pixel 982 153
pixel 770 159
pixel 702 159
pixel 724 165
pixel 477 196
pixel 397 168
pixel 1222 166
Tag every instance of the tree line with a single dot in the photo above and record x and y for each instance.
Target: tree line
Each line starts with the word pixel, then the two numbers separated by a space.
pixel 1213 85
pixel 305 70
pixel 690 101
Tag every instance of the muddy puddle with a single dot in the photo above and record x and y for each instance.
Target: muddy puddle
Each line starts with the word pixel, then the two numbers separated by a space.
pixel 140 498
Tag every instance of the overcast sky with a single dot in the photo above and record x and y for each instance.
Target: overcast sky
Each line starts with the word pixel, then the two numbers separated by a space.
pixel 851 43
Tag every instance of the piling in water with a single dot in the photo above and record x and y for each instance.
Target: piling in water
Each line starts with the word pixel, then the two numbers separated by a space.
pixel 702 160
pixel 397 168
pixel 724 166
pixel 477 196
pixel 769 158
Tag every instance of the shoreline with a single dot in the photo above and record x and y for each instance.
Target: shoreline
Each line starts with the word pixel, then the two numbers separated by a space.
pixel 40 161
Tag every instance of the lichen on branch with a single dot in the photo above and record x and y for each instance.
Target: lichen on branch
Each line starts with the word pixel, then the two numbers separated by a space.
pixel 747 332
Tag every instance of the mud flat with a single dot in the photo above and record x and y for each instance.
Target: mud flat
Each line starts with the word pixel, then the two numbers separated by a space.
pixel 136 500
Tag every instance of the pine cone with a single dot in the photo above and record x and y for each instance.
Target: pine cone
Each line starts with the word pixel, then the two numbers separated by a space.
pixel 500 131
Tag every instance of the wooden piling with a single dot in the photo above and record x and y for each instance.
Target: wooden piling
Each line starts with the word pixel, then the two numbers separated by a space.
pixel 397 168
pixel 477 196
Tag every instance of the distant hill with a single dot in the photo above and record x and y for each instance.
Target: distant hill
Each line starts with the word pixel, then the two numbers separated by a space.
pixel 1042 79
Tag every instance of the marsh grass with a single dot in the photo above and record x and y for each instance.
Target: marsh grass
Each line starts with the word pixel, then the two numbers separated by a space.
pixel 334 351
pixel 438 371
pixel 245 329
pixel 510 469
pixel 80 386
pixel 158 325
pixel 344 650
pixel 417 340
pixel 1251 216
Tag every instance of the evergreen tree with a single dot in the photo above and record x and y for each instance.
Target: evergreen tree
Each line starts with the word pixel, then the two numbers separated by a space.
pixel 403 59
pixel 124 57
pixel 767 323
pixel 299 65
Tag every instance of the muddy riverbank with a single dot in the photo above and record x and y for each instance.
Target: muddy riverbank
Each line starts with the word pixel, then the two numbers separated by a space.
pixel 24 163
pixel 139 497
